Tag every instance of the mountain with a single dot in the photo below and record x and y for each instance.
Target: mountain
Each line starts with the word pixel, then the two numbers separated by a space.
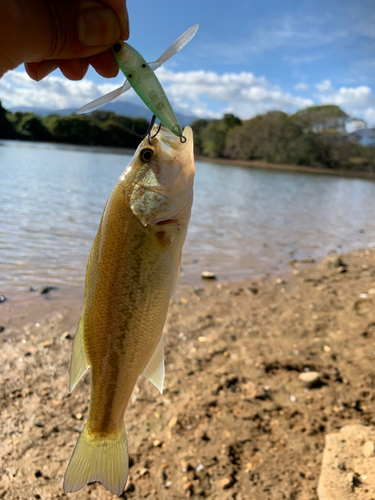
pixel 121 108
pixel 365 136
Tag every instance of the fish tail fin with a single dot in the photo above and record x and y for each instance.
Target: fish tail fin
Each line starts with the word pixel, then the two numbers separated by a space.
pixel 103 459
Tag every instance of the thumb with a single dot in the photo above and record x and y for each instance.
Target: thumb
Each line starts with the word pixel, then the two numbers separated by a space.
pixel 55 29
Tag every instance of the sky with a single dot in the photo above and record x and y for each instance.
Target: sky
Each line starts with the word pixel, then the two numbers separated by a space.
pixel 248 57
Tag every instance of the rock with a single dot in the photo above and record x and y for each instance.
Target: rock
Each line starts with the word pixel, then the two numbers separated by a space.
pixel 207 275
pixel 173 421
pixel 2 298
pixel 368 449
pixel 280 281
pixel 341 269
pixel 307 260
pixel 129 487
pixel 346 472
pixel 226 483
pixel 334 261
pixel 189 488
pixel 310 379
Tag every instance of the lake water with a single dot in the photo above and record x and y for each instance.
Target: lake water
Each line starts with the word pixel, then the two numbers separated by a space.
pixel 245 222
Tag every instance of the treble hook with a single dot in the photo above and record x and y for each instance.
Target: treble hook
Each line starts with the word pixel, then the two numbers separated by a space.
pixel 148 132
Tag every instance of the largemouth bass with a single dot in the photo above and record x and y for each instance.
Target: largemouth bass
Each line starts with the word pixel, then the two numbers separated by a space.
pixel 131 275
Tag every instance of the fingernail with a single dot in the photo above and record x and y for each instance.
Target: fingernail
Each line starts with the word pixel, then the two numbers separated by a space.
pixel 98 28
pixel 44 68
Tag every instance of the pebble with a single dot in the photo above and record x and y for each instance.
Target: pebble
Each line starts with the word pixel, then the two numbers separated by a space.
pixel 334 261
pixel 172 422
pixel 208 275
pixel 188 486
pixel 307 260
pixel 280 281
pixel 226 483
pixel 2 298
pixel 341 269
pixel 368 449
pixel 310 379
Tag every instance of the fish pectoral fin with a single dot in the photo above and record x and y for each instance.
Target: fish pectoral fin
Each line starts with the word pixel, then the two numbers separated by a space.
pixel 103 459
pixel 79 363
pixel 154 371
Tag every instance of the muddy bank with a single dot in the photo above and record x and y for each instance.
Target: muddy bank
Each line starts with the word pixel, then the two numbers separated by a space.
pixel 235 420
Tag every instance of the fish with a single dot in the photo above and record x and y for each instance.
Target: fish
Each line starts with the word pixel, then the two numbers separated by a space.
pixel 132 273
pixel 140 76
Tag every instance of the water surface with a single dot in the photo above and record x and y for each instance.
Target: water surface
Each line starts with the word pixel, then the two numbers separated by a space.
pixel 244 222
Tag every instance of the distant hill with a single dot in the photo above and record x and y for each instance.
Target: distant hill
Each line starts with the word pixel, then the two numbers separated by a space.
pixel 121 108
pixel 365 136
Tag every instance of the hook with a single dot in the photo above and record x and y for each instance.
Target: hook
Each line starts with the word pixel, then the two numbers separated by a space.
pixel 148 132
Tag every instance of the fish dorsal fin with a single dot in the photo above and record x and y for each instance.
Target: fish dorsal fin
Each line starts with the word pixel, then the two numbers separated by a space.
pixel 154 371
pixel 79 364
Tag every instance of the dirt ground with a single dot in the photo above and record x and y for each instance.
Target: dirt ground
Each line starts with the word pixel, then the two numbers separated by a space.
pixel 235 421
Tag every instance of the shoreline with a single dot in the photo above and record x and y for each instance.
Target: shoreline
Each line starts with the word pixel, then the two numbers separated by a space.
pixel 235 419
pixel 222 161
pixel 279 166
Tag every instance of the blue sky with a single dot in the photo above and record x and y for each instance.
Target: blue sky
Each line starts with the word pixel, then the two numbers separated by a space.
pixel 248 57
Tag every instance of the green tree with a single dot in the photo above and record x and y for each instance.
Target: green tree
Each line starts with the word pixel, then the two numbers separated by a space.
pixel 213 135
pixel 271 137
pixel 6 127
pixel 198 126
pixel 319 118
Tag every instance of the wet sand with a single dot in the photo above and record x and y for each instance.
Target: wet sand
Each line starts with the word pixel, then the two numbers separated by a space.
pixel 235 421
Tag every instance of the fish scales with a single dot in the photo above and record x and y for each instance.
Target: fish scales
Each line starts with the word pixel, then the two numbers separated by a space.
pixel 131 275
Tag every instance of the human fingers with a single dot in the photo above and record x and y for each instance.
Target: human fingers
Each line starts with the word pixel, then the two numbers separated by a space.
pixel 50 29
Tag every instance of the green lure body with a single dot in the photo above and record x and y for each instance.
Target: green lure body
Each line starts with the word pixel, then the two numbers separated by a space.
pixel 140 76
pixel 145 83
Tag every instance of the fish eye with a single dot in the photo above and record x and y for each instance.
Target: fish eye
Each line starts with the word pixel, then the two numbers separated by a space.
pixel 146 154
pixel 117 47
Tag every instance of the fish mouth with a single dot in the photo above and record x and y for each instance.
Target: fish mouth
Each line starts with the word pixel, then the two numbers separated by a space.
pixel 168 222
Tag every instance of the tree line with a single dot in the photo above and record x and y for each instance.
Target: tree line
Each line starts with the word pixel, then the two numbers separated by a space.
pixel 316 136
pixel 100 128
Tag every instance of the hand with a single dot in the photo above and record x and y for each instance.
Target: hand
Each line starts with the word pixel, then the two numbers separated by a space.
pixel 65 34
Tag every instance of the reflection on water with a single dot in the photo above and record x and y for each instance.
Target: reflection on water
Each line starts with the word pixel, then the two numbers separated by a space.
pixel 244 221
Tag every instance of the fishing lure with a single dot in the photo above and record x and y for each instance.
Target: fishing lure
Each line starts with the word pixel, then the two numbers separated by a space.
pixel 140 76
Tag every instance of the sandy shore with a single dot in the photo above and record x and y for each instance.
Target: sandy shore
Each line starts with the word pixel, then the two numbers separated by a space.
pixel 235 421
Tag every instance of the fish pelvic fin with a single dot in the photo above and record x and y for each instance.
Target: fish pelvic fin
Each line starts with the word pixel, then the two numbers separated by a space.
pixel 154 371
pixel 79 364
pixel 103 459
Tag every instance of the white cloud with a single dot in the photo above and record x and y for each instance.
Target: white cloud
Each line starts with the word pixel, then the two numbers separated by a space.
pixel 370 115
pixel 301 86
pixel 203 93
pixel 54 92
pixel 356 101
pixel 243 93
pixel 324 86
